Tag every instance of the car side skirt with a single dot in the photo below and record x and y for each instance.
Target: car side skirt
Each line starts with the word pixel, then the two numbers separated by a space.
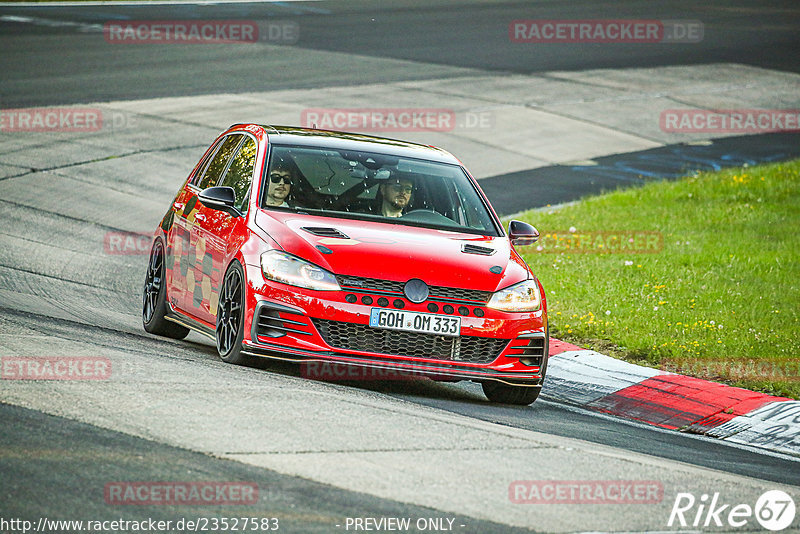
pixel 189 322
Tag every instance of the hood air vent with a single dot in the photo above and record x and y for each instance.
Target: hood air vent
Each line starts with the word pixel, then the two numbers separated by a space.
pixel 325 232
pixel 475 249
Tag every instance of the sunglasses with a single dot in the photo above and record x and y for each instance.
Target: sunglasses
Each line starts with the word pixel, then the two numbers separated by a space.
pixel 276 178
pixel 407 189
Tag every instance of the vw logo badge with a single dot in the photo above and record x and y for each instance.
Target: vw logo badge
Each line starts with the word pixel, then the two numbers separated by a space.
pixel 416 290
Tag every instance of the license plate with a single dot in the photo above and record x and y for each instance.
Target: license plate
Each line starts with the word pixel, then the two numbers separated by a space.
pixel 407 321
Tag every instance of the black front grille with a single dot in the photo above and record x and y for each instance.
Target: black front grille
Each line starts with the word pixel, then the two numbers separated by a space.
pixel 439 293
pixel 454 293
pixel 371 284
pixel 360 337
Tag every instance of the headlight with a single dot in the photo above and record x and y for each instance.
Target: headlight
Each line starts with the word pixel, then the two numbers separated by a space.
pixel 288 269
pixel 522 297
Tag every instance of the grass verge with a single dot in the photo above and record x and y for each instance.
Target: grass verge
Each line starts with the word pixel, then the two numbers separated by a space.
pixel 699 276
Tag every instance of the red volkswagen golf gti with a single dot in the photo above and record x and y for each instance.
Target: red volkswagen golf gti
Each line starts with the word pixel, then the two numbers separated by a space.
pixel 316 246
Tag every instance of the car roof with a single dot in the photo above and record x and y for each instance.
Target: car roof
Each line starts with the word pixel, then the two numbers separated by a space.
pixel 290 135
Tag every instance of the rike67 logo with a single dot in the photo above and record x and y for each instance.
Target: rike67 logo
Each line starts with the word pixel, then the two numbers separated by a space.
pixel 774 510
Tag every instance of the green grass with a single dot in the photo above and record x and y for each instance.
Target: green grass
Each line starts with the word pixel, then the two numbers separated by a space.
pixel 720 301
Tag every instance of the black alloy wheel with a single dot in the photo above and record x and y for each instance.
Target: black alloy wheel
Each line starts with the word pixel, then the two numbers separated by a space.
pixel 230 316
pixel 154 298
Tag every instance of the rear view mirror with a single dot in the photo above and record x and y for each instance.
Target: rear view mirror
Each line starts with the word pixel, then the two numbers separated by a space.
pixel 521 233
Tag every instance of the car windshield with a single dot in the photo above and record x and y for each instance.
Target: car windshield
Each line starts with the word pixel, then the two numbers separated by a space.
pixel 374 186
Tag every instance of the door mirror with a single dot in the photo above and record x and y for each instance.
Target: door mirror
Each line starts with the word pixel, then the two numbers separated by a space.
pixel 220 198
pixel 521 233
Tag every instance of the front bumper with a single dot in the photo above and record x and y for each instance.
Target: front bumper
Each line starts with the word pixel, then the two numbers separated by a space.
pixel 294 324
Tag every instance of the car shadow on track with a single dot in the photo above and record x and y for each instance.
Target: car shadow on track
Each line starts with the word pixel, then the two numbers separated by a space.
pixel 417 389
pixel 421 388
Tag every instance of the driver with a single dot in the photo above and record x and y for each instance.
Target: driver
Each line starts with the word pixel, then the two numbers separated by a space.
pixel 281 177
pixel 395 195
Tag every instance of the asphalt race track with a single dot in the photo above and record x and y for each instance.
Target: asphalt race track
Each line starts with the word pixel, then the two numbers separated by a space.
pixel 322 452
pixel 447 37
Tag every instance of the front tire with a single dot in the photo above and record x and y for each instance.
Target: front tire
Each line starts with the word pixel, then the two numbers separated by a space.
pixel 519 395
pixel 506 394
pixel 230 316
pixel 154 298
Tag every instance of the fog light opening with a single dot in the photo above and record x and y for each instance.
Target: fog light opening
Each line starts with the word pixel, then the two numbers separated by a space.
pixel 531 362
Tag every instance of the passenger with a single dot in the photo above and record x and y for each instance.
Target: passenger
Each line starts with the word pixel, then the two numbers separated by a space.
pixel 395 196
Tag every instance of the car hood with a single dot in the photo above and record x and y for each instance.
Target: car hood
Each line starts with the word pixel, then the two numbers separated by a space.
pixel 397 252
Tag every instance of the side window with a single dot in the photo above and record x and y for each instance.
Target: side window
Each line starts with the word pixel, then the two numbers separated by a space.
pixel 204 164
pixel 220 162
pixel 240 172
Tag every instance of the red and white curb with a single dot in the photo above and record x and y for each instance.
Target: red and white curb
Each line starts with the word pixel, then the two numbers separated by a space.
pixel 598 382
